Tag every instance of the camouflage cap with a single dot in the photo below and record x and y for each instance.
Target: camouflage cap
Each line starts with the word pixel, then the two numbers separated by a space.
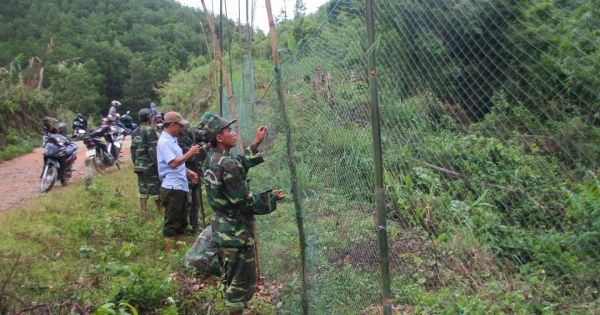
pixel 214 125
pixel 144 114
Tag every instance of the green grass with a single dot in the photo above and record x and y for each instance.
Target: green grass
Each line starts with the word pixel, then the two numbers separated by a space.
pixel 91 247
pixel 18 144
pixel 76 246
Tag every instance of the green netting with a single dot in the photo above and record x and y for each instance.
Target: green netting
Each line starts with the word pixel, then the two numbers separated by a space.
pixel 490 131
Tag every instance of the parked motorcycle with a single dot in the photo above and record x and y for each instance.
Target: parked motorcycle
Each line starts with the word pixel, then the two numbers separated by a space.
pixel 118 134
pixel 80 125
pixel 59 155
pixel 103 153
pixel 127 122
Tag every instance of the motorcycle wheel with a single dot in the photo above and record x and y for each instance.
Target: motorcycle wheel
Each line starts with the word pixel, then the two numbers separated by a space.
pixel 99 162
pixel 48 178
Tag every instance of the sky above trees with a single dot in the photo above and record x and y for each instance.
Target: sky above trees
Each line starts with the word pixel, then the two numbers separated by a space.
pixel 260 18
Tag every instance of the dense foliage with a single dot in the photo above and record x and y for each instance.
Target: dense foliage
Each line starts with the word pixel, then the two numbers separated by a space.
pixel 92 52
pixel 490 132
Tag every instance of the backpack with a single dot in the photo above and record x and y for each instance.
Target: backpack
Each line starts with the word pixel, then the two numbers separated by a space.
pixel 203 255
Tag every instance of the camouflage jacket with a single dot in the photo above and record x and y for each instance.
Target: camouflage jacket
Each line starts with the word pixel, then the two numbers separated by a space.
pixel 251 156
pixel 186 141
pixel 143 148
pixel 232 201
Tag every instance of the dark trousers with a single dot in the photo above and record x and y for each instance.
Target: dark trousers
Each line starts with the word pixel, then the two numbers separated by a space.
pixel 196 199
pixel 175 203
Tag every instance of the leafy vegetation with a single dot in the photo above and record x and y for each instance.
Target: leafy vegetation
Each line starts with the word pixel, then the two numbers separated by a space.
pixel 490 134
pixel 93 250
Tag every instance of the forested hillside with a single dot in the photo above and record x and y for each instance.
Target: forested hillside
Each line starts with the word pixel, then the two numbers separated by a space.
pixel 96 51
pixel 76 56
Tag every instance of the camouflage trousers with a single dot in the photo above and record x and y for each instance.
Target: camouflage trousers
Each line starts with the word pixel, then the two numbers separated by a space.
pixel 239 276
pixel 148 185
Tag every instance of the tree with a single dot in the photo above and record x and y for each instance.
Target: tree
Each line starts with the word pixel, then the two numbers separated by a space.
pixel 75 88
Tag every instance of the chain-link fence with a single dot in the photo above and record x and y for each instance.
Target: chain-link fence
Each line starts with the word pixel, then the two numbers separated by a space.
pixel 490 131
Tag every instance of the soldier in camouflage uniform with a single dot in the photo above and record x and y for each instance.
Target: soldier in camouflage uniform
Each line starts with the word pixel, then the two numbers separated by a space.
pixel 195 136
pixel 251 157
pixel 234 207
pixel 143 156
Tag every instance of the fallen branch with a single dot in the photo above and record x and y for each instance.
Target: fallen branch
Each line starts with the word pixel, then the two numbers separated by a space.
pixel 31 308
pixel 8 278
pixel 457 175
pixel 450 173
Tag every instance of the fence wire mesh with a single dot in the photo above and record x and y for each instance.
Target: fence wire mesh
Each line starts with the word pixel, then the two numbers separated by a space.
pixel 490 133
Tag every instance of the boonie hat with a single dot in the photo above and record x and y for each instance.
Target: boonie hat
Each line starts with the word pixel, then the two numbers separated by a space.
pixel 174 117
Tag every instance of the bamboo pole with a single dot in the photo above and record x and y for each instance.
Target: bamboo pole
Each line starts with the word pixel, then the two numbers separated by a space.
pixel 220 49
pixel 252 100
pixel 242 95
pixel 224 74
pixel 212 62
pixel 378 159
pixel 290 157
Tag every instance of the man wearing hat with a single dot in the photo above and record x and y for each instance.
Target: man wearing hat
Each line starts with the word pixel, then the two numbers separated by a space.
pixel 143 155
pixel 251 157
pixel 174 176
pixel 234 206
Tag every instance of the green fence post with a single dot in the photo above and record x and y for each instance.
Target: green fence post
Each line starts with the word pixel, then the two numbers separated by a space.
pixel 378 159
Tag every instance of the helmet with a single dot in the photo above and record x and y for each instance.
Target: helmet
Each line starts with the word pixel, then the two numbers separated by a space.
pixel 144 114
pixel 205 118
pixel 115 103
pixel 51 124
pixel 62 129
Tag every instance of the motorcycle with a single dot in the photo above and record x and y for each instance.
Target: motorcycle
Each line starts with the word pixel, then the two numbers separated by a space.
pixel 80 125
pixel 59 156
pixel 127 122
pixel 103 154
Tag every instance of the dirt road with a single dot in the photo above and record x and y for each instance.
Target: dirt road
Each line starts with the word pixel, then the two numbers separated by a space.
pixel 21 175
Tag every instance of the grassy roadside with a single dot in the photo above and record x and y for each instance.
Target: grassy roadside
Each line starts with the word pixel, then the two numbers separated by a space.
pixel 18 144
pixel 75 246
pixel 77 249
